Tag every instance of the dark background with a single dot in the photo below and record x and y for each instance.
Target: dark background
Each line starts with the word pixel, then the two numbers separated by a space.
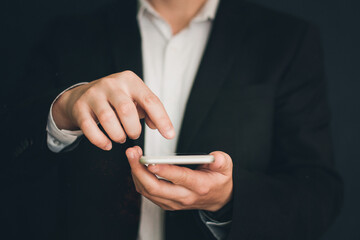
pixel 22 21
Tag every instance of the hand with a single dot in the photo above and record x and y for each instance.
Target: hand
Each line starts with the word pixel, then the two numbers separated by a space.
pixel 118 102
pixel 209 187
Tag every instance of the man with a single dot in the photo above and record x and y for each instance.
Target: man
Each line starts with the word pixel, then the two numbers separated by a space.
pixel 233 79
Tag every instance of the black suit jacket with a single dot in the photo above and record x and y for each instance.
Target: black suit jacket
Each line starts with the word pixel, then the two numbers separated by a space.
pixel 259 95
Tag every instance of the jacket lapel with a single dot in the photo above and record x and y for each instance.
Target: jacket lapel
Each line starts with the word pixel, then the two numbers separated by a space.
pixel 213 70
pixel 224 40
pixel 124 35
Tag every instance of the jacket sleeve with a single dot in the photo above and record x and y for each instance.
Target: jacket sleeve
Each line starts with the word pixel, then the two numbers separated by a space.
pixel 28 171
pixel 23 145
pixel 300 193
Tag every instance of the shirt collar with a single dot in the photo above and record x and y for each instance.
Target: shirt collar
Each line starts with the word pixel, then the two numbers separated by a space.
pixel 207 12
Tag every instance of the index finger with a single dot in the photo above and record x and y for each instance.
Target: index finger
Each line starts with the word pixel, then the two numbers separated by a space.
pixel 154 109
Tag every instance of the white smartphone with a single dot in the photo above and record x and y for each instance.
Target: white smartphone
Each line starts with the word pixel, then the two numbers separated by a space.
pixel 177 159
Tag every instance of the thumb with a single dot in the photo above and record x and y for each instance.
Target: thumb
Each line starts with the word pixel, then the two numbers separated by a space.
pixel 222 164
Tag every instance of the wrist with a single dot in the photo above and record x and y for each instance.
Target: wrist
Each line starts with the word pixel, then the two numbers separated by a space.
pixel 60 114
pixel 224 213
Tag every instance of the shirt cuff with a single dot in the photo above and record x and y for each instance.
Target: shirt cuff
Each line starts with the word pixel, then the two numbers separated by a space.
pixel 218 229
pixel 58 139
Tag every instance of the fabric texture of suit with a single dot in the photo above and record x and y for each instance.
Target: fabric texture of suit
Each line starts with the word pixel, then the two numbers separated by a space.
pixel 259 95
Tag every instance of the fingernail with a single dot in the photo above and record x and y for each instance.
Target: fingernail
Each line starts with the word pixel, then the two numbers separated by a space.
pixel 131 155
pixel 108 147
pixel 170 133
pixel 139 151
pixel 221 157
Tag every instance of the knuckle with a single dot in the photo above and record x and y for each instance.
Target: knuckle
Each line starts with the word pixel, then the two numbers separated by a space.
pixel 151 99
pixel 105 80
pixel 77 108
pixel 108 82
pixel 189 201
pixel 153 190
pixel 78 105
pixel 105 116
pixel 183 177
pixel 203 190
pixel 128 73
pixel 91 92
pixel 125 108
pixel 85 124
pixel 150 190
pixel 127 76
pixel 165 121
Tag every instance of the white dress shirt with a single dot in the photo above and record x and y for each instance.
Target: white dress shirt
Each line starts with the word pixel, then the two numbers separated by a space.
pixel 170 64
